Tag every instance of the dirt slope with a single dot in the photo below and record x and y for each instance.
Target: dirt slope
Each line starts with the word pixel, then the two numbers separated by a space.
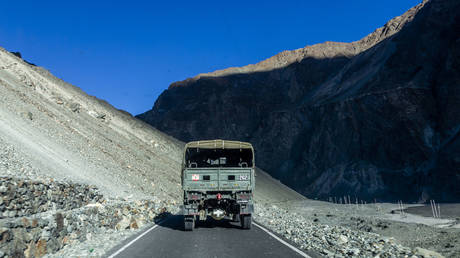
pixel 270 190
pixel 65 134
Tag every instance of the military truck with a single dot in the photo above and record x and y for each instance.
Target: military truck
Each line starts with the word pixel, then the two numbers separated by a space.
pixel 218 180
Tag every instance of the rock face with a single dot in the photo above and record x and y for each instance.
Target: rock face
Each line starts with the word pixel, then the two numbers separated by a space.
pixel 376 118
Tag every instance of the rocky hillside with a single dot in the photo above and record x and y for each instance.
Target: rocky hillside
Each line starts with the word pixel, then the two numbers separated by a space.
pixel 73 169
pixel 55 130
pixel 378 118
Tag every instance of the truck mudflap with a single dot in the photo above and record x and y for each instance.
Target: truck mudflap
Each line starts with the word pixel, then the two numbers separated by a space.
pixel 246 208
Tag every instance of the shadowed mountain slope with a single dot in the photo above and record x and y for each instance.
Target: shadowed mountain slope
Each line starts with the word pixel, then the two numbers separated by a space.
pixel 377 118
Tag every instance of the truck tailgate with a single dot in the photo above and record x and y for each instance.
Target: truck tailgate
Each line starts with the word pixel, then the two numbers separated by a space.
pixel 218 179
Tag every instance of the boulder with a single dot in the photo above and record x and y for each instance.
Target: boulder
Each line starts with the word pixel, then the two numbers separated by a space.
pixel 124 223
pixel 424 253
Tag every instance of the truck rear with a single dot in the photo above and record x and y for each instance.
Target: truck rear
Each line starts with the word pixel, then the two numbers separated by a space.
pixel 218 180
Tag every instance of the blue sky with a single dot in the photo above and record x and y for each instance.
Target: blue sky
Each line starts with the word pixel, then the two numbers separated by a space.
pixel 128 52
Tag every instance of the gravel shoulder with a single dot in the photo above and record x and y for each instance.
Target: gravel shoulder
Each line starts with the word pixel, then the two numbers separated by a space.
pixel 373 222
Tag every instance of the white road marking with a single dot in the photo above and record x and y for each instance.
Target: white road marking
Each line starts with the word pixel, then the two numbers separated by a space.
pixel 282 241
pixel 259 226
pixel 134 240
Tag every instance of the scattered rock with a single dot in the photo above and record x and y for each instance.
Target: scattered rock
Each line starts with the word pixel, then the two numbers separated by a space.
pixel 97 115
pixel 133 224
pixel 101 116
pixel 342 239
pixel 25 222
pixel 3 189
pixel 424 253
pixel 330 241
pixel 75 107
pixel 124 223
pixel 30 251
pixel 40 248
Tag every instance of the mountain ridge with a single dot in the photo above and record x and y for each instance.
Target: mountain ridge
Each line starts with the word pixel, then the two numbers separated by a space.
pixel 371 125
pixel 328 49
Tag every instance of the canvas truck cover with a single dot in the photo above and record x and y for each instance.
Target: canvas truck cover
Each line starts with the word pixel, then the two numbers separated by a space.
pixel 232 149
pixel 219 144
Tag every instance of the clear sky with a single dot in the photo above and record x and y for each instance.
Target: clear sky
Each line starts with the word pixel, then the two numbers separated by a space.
pixel 128 52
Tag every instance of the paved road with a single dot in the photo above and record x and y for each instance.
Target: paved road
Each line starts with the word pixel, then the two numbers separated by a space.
pixel 447 210
pixel 210 239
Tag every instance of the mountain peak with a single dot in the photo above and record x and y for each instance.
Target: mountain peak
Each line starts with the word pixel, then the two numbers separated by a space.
pixel 328 49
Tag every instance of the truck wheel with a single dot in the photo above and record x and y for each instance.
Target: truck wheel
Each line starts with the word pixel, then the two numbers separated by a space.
pixel 189 223
pixel 246 221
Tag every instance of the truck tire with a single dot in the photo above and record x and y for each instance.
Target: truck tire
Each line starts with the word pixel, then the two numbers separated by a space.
pixel 189 223
pixel 246 221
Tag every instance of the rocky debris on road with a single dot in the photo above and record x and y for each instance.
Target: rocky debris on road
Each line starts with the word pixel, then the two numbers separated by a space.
pixel 332 240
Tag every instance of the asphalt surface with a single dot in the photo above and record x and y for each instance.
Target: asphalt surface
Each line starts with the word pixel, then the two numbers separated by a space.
pixel 209 239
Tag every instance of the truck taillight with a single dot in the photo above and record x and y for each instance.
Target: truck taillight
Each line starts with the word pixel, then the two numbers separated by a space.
pixel 243 196
pixel 194 196
pixel 219 196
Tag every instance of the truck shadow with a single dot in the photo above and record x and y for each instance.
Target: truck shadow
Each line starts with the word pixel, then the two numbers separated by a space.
pixel 176 222
pixel 211 223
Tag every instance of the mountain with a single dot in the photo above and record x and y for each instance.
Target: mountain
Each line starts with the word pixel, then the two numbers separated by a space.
pixel 378 118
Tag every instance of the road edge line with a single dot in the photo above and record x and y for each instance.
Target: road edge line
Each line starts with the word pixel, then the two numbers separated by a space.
pixel 134 240
pixel 282 241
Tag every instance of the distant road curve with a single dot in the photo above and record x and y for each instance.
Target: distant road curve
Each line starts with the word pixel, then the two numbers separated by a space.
pixel 210 239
